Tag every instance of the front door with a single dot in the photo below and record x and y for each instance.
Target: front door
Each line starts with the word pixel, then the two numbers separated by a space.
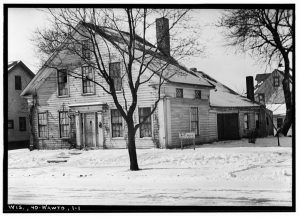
pixel 228 127
pixel 89 130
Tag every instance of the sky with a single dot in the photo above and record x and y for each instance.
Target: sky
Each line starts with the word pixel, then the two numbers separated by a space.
pixel 218 60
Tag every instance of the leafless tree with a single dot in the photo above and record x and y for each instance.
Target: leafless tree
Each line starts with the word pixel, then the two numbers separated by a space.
pixel 121 32
pixel 269 35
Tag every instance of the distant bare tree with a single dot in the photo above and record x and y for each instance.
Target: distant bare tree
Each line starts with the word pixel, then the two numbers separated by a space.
pixel 121 32
pixel 268 34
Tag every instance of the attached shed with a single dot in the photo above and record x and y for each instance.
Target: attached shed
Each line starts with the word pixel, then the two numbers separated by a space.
pixel 233 116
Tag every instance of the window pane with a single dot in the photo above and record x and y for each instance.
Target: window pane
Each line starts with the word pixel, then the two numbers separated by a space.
pixel 198 94
pixel 194 120
pixel 18 83
pixel 64 124
pixel 116 123
pixel 87 79
pixel 146 127
pixel 115 74
pixel 179 93
pixel 62 82
pixel 22 123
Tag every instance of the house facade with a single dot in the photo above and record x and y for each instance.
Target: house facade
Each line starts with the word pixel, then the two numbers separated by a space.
pixel 71 111
pixel 19 76
pixel 269 92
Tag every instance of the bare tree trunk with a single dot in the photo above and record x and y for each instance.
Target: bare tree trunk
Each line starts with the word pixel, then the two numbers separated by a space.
pixel 288 99
pixel 131 146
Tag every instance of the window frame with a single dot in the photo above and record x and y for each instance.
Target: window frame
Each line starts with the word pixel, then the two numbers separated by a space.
pixel 60 124
pixel 197 133
pixel 149 123
pixel 120 123
pixel 12 124
pixel 281 120
pixel 276 80
pixel 257 120
pixel 45 125
pixel 197 96
pixel 177 91
pixel 18 86
pixel 24 126
pixel 114 77
pixel 92 82
pixel 246 122
pixel 261 98
pixel 86 49
pixel 58 71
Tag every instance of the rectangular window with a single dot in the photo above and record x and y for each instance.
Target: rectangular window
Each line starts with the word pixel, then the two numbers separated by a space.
pixel 18 83
pixel 197 94
pixel 146 127
pixel 10 124
pixel 256 120
pixel 179 93
pixel 279 122
pixel 261 98
pixel 246 121
pixel 116 123
pixel 194 120
pixel 64 126
pixel 88 80
pixel 22 123
pixel 115 74
pixel 62 80
pixel 42 124
pixel 86 50
pixel 276 81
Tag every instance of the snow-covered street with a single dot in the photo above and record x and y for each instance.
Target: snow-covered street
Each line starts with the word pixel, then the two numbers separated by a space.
pixel 232 173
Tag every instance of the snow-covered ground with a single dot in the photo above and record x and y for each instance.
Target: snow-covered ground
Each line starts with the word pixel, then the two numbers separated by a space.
pixel 224 173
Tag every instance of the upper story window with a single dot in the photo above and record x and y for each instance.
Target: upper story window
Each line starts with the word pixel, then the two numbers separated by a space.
pixel 116 123
pixel 86 50
pixel 276 81
pixel 246 121
pixel 179 93
pixel 146 127
pixel 22 123
pixel 62 81
pixel 194 120
pixel 88 77
pixel 279 122
pixel 42 124
pixel 261 98
pixel 18 82
pixel 64 126
pixel 197 94
pixel 115 74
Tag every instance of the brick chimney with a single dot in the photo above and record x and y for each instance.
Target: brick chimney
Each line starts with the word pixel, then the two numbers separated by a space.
pixel 163 35
pixel 250 88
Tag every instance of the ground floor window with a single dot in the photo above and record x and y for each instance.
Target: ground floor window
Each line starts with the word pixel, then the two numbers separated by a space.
pixel 194 120
pixel 246 121
pixel 116 123
pixel 10 124
pixel 146 127
pixel 22 123
pixel 64 124
pixel 256 120
pixel 42 124
pixel 279 122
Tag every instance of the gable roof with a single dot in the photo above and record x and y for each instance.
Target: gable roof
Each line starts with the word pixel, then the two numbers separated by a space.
pixel 262 77
pixel 153 59
pixel 13 64
pixel 223 96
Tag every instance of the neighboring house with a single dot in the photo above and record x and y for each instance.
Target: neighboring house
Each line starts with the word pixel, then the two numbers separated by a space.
pixel 269 92
pixel 71 110
pixel 19 75
pixel 233 116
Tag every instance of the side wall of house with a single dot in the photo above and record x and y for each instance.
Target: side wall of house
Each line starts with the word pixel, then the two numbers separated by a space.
pixel 265 126
pixel 17 106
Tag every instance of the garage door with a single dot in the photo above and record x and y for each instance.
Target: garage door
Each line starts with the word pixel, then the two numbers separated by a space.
pixel 228 127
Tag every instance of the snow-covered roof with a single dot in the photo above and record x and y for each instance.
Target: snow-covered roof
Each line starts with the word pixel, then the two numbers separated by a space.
pixel 277 109
pixel 153 59
pixel 223 96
